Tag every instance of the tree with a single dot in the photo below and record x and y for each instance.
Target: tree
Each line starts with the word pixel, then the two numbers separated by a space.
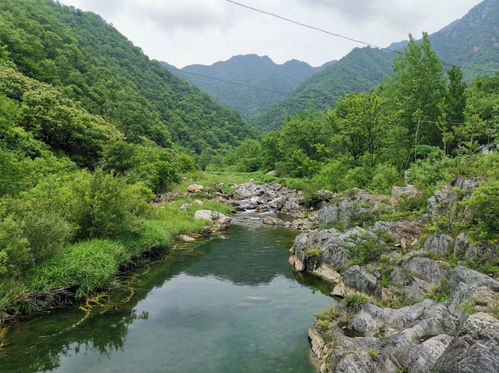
pixel 455 104
pixel 419 91
pixel 358 124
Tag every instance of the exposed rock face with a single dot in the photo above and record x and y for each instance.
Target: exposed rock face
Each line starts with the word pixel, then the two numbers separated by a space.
pixel 439 243
pixel 347 211
pixel 445 201
pixel 379 339
pixel 426 269
pixel 465 248
pixel 360 281
pixel 405 233
pixel 475 349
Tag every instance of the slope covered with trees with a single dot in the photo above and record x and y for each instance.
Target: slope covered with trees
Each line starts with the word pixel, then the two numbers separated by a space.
pixel 470 42
pixel 250 70
pixel 97 66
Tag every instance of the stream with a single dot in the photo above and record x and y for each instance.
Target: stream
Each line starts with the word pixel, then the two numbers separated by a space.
pixel 223 305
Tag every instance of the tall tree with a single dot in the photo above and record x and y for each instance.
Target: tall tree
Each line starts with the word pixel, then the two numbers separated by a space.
pixel 455 105
pixel 419 91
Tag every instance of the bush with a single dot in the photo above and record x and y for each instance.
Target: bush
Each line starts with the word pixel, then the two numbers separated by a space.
pixel 484 204
pixel 15 255
pixel 385 177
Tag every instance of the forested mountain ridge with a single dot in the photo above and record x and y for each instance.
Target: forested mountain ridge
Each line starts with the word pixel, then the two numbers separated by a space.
pixel 97 66
pixel 470 42
pixel 258 71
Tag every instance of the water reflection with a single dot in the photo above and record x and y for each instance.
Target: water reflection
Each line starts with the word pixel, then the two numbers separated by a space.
pixel 231 305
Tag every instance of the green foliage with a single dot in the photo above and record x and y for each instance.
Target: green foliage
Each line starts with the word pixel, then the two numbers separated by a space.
pixel 364 252
pixel 354 302
pixel 484 204
pixel 111 77
pixel 251 70
pixel 469 307
pixel 313 253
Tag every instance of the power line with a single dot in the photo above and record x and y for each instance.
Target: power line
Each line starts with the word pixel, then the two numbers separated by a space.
pixel 362 16
pixel 333 33
pixel 230 81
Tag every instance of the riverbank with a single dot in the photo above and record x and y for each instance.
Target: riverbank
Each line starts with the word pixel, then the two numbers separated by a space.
pixel 84 268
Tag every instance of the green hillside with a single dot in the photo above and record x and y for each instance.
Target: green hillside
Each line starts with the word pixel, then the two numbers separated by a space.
pixel 253 70
pixel 97 66
pixel 361 70
pixel 471 42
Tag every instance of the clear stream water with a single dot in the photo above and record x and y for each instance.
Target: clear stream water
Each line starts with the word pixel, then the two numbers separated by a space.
pixel 225 305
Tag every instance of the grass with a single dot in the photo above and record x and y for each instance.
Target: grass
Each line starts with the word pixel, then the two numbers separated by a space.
pixel 88 266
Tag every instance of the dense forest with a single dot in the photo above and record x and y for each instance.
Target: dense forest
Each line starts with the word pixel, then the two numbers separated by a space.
pixel 94 64
pixel 469 42
pixel 247 71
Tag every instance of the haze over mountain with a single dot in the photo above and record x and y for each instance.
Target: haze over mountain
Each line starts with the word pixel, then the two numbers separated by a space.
pixel 251 70
pixel 471 42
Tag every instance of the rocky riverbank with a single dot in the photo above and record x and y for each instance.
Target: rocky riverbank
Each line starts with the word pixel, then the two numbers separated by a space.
pixel 409 302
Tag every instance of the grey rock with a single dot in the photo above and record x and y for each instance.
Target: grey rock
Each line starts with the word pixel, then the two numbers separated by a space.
pixel 439 243
pixel 465 248
pixel 429 270
pixel 409 191
pixel 421 358
pixel 195 188
pixel 248 190
pixel 213 217
pixel 357 278
pixel 405 233
pixel 268 220
pixel 475 349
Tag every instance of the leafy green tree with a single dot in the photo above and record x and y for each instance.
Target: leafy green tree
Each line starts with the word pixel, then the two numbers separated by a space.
pixel 418 92
pixel 455 105
pixel 358 125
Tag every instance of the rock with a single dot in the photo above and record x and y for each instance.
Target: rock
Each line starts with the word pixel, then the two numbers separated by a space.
pixel 464 248
pixel 476 289
pixel 213 217
pixel 439 243
pixel 249 189
pixel 292 206
pixel 445 202
pixel 268 220
pixel 347 211
pixel 198 202
pixel 185 238
pixel 420 358
pixel 360 281
pixel 195 188
pixel 186 206
pixel 409 191
pixel 325 194
pixel 429 270
pixel 301 224
pixel 296 263
pixel 475 349
pixel 271 173
pixel 405 233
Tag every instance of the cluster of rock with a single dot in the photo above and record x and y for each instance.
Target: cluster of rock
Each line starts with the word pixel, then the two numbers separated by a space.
pixel 459 335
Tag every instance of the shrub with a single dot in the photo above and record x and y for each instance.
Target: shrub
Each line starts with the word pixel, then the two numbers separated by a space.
pixel 385 177
pixel 484 204
pixel 354 302
pixel 15 255
pixel 364 252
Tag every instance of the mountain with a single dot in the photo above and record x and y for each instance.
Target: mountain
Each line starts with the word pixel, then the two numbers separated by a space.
pixel 361 70
pixel 95 65
pixel 250 70
pixel 471 42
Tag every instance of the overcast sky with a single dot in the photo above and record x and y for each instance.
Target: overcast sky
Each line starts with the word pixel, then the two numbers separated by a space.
pixel 184 32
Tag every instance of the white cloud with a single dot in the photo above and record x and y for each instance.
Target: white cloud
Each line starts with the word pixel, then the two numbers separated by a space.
pixel 185 32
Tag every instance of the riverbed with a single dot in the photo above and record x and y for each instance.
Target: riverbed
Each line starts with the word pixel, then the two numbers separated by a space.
pixel 229 304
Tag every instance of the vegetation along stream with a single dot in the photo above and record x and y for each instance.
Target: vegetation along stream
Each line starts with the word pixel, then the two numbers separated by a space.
pixel 225 305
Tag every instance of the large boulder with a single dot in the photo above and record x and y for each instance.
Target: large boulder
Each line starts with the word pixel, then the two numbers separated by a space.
pixel 475 349
pixel 357 280
pixel 409 191
pixel 439 243
pixel 404 233
pixel 426 269
pixel 213 217
pixel 195 188
pixel 248 190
